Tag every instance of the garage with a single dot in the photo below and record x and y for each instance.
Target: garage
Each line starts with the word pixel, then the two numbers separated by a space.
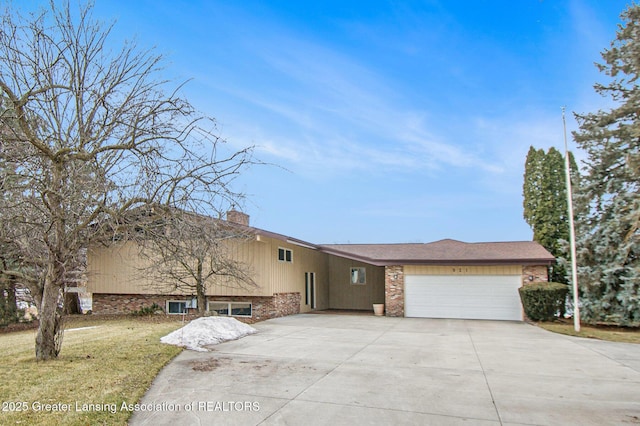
pixel 491 297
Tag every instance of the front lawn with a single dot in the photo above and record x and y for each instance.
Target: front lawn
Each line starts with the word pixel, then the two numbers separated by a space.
pixel 103 364
pixel 612 334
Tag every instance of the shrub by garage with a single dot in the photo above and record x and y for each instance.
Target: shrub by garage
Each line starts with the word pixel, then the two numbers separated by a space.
pixel 543 301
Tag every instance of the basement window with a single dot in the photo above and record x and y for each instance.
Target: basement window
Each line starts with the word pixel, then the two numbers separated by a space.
pixel 233 309
pixel 285 255
pixel 358 275
pixel 175 307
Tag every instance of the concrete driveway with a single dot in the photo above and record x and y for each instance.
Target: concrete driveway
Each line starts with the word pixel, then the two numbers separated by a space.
pixel 345 370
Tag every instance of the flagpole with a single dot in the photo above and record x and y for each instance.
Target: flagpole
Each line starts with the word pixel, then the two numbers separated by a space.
pixel 572 232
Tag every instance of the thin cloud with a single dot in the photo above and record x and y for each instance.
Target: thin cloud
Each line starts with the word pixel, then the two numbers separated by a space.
pixel 341 115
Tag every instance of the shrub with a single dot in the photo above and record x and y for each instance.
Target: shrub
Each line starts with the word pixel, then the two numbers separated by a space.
pixel 148 310
pixel 543 301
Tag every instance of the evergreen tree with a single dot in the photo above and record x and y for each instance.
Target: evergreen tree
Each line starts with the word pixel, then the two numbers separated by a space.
pixel 532 186
pixel 609 202
pixel 545 203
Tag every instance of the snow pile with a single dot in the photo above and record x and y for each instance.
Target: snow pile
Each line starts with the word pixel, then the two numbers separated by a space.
pixel 206 331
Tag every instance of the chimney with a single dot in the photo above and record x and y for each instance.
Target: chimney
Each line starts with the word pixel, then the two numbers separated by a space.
pixel 240 218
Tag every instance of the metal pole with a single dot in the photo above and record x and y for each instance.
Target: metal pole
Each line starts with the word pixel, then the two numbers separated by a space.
pixel 572 231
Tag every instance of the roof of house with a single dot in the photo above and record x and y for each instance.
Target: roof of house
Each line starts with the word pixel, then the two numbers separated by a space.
pixel 443 252
pixel 447 252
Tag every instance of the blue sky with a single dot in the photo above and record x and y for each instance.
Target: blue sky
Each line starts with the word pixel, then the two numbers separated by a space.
pixel 390 121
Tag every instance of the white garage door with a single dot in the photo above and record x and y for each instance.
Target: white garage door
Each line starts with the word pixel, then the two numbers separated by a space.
pixel 492 297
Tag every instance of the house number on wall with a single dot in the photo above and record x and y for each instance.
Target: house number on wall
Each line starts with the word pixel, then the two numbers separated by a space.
pixel 459 270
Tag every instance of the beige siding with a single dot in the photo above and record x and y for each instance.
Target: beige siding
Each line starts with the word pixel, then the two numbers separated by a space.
pixel 252 260
pixel 119 269
pixel 344 295
pixel 286 277
pixel 462 270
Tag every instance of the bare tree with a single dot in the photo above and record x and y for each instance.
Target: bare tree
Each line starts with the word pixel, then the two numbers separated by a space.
pixel 92 134
pixel 8 301
pixel 15 269
pixel 189 253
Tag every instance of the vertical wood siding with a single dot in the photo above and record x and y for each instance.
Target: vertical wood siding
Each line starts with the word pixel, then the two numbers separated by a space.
pixel 289 276
pixel 344 295
pixel 119 269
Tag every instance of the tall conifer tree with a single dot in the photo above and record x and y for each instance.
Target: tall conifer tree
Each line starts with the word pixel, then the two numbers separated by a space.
pixel 609 200
pixel 545 203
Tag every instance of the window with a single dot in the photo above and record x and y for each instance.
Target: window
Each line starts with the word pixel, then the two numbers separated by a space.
pixel 234 309
pixel 176 306
pixel 240 309
pixel 285 255
pixel 221 308
pixel 358 276
pixel 310 289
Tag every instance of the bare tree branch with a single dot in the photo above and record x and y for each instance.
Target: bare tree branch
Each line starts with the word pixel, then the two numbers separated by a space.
pixel 88 136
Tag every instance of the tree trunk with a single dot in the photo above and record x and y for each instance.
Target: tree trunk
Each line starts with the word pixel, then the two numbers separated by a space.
pixel 202 302
pixel 49 337
pixel 71 303
pixel 201 290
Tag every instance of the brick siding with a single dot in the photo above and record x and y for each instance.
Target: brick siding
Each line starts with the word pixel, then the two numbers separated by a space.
pixel 127 303
pixel 394 290
pixel 262 308
pixel 538 272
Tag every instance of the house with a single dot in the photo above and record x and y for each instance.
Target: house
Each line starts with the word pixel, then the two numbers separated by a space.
pixel 443 279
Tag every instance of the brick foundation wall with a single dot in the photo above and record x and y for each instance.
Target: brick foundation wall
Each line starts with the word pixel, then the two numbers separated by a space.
pixel 538 272
pixel 262 307
pixel 394 290
pixel 286 304
pixel 127 303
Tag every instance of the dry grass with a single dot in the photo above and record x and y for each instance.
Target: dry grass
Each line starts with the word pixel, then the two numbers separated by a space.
pixel 610 333
pixel 103 362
